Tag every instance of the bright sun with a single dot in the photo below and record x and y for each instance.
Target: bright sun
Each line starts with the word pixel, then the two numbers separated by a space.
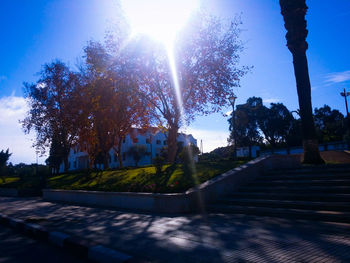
pixel 160 19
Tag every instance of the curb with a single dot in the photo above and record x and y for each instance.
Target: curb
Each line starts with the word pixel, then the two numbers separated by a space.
pixel 81 247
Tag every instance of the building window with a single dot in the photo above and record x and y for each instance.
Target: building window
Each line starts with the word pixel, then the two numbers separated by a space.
pixel 124 140
pixel 135 140
pixel 75 164
pixel 165 142
pixel 115 157
pixel 124 156
pixel 148 141
pixel 158 142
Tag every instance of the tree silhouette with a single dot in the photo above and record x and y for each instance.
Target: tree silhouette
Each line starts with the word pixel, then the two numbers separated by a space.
pixel 275 123
pixel 329 124
pixel 246 123
pixel 4 157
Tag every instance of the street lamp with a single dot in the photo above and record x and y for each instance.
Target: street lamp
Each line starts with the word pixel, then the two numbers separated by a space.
pixel 232 100
pixel 345 94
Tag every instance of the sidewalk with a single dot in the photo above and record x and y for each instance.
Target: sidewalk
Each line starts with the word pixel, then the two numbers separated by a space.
pixel 190 238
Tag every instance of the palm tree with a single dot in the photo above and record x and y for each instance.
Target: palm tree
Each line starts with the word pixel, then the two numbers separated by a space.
pixel 293 12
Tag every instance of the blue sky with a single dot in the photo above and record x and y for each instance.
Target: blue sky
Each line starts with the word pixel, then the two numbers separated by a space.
pixel 34 32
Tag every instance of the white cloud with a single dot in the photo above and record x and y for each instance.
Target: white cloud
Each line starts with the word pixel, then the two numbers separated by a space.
pixel 2 77
pixel 271 100
pixel 228 114
pixel 338 77
pixel 12 109
pixel 212 139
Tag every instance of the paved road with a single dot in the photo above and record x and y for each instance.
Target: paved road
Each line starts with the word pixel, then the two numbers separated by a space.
pixel 191 238
pixel 16 248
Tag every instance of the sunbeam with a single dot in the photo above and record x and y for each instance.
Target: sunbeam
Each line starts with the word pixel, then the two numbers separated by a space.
pixel 161 20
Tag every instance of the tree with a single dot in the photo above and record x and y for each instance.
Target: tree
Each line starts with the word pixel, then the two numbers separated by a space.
pixel 275 123
pixel 294 137
pixel 55 156
pixel 54 111
pixel 4 157
pixel 188 153
pixel 293 12
pixel 137 152
pixel 329 124
pixel 246 126
pixel 206 57
pixel 112 107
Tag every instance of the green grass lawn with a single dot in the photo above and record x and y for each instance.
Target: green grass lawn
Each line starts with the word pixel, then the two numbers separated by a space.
pixel 9 181
pixel 174 178
pixel 25 182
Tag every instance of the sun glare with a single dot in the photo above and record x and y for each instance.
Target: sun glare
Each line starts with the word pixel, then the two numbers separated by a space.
pixel 160 19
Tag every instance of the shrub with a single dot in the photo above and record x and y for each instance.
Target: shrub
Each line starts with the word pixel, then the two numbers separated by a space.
pixel 137 152
pixel 158 162
pixel 188 154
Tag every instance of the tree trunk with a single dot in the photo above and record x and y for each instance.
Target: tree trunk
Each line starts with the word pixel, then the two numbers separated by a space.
pixel 310 144
pixel 119 152
pixel 66 163
pixel 91 163
pixel 172 143
pixel 105 161
pixel 293 12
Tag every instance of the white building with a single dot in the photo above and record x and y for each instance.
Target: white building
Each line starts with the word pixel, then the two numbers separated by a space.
pixel 153 140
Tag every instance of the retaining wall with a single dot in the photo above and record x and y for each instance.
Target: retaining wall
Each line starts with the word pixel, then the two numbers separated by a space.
pixel 12 192
pixel 192 200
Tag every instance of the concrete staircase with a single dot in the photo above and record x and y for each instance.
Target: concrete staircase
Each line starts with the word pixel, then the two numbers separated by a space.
pixel 314 193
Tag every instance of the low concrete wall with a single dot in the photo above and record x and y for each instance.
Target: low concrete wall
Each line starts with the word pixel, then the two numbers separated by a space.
pixel 26 192
pixel 8 192
pixel 147 202
pixel 192 200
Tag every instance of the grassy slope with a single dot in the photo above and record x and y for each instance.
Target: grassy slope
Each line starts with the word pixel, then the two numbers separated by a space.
pixel 26 182
pixel 174 178
pixel 9 181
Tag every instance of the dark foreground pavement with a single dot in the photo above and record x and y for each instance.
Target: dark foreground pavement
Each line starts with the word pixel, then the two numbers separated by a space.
pixel 190 238
pixel 16 248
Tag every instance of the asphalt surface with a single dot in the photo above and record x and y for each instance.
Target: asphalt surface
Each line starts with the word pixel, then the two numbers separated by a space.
pixel 189 238
pixel 15 247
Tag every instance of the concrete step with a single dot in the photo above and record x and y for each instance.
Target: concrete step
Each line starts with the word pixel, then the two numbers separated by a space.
pixel 320 182
pixel 296 189
pixel 332 197
pixel 315 170
pixel 319 215
pixel 308 205
pixel 342 176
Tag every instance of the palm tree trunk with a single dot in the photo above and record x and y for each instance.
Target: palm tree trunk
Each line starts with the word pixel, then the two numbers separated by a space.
pixel 293 12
